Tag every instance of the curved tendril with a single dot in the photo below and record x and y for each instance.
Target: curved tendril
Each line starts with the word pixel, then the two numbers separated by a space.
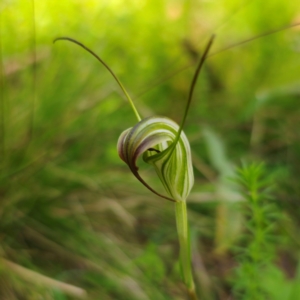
pixel 137 175
pixel 106 66
pixel 193 84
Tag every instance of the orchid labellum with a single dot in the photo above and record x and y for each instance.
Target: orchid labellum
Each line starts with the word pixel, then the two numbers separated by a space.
pixel 164 145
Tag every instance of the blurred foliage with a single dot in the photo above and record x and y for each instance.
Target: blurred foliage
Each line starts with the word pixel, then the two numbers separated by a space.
pixel 258 241
pixel 73 220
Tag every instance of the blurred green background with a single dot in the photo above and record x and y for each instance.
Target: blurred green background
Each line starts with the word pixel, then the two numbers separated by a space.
pixel 73 219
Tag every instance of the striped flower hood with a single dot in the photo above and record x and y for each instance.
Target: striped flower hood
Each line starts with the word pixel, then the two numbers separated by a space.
pixel 156 139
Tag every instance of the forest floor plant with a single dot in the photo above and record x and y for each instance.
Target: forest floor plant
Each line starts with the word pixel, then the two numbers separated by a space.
pixel 258 247
pixel 165 146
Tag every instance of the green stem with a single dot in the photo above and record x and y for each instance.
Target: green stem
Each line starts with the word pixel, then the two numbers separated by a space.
pixel 185 251
pixel 2 106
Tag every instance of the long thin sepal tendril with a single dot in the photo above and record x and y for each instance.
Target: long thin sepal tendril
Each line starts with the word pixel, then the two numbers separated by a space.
pixel 106 66
pixel 191 92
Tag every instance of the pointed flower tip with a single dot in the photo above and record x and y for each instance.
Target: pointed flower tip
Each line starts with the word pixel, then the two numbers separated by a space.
pixel 172 165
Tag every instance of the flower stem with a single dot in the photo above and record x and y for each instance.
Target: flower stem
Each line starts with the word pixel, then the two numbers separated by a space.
pixel 185 251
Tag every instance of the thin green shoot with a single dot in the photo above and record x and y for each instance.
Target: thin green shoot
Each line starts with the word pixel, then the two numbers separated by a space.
pixel 191 92
pixel 2 125
pixel 33 82
pixel 107 67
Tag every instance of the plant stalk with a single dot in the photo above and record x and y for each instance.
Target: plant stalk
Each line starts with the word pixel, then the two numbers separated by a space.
pixel 185 249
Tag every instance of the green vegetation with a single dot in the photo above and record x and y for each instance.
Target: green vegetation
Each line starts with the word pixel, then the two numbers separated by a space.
pixel 257 251
pixel 75 223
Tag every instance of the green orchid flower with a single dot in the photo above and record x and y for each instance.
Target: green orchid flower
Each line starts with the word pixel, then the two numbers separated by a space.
pixel 173 164
pixel 163 145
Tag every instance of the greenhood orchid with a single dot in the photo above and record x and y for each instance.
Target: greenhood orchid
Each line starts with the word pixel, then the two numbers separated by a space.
pixel 163 144
pixel 172 163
